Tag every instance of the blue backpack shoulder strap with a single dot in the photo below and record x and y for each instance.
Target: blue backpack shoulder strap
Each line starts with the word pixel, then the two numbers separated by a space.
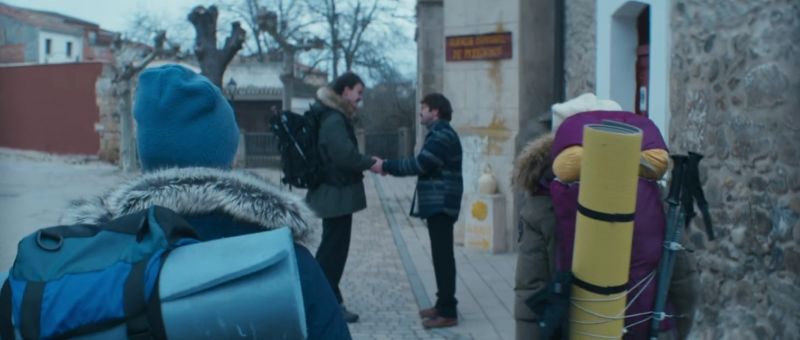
pixel 6 327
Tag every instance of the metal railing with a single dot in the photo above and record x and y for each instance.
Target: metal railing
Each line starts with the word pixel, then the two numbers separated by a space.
pixel 261 148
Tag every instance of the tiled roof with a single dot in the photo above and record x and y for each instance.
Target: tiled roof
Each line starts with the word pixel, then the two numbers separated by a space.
pixel 47 20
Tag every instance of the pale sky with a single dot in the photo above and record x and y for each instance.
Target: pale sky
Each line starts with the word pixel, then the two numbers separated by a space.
pixel 113 15
pixel 117 15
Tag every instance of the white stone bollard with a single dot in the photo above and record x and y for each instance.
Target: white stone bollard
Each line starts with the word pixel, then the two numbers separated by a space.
pixel 485 224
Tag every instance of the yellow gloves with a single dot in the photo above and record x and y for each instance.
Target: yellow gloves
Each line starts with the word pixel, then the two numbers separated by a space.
pixel 567 165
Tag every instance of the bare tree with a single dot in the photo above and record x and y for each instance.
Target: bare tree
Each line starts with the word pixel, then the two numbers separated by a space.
pixel 127 65
pixel 348 25
pixel 285 25
pixel 214 61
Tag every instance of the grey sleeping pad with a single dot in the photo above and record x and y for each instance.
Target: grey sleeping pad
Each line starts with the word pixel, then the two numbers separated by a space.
pixel 238 287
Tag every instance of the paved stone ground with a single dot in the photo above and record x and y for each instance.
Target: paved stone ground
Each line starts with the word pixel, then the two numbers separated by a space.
pixel 484 285
pixel 374 284
pixel 389 275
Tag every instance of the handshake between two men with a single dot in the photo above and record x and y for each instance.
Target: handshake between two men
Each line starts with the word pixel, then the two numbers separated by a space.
pixel 377 167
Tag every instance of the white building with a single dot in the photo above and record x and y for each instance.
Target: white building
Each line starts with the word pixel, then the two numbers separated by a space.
pixel 30 36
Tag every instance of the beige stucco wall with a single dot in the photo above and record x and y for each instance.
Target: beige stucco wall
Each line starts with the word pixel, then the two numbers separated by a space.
pixel 485 94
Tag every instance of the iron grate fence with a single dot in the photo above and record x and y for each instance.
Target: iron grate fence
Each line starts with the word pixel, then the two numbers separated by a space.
pixel 261 148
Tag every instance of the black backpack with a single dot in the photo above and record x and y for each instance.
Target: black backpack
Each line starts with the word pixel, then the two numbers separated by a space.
pixel 297 143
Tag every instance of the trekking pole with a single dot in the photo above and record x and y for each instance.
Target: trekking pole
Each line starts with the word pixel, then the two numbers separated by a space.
pixel 284 121
pixel 675 217
pixel 693 182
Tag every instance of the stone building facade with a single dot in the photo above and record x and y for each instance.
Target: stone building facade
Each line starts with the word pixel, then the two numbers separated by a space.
pixel 724 82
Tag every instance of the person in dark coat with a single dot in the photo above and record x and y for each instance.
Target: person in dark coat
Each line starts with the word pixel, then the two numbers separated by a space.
pixel 536 235
pixel 341 192
pixel 187 137
pixel 437 199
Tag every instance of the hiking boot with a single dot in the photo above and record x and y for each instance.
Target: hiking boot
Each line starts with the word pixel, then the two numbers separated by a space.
pixel 439 322
pixel 428 313
pixel 349 316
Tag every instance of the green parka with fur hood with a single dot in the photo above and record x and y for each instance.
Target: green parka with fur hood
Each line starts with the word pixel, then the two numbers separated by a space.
pixel 342 189
pixel 536 232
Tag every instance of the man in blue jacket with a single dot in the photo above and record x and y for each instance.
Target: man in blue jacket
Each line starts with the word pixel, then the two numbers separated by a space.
pixel 437 200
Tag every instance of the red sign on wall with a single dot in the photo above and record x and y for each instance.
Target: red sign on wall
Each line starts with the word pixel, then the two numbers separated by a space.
pixel 490 46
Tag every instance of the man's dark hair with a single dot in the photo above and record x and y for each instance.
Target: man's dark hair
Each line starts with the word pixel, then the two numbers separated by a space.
pixel 348 79
pixel 437 101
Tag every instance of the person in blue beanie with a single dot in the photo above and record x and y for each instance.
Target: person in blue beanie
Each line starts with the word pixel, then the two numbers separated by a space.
pixel 187 137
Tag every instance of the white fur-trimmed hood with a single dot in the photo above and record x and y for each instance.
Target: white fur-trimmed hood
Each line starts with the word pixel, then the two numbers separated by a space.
pixel 332 100
pixel 197 191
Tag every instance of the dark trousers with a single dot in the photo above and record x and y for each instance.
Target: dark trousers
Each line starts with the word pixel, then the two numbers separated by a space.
pixel 440 230
pixel 332 251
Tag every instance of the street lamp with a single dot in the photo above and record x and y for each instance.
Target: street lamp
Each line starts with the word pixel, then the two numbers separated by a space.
pixel 231 88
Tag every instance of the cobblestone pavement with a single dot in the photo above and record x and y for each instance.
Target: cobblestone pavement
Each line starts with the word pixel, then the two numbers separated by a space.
pixel 374 283
pixel 389 275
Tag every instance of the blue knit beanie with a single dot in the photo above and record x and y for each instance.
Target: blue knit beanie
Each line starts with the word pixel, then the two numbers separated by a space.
pixel 183 120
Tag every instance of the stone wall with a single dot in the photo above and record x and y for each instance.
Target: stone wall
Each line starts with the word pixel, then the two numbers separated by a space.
pixel 735 97
pixel 108 125
pixel 579 47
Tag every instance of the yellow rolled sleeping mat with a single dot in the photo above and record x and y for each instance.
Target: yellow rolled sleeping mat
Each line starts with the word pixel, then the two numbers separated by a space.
pixel 604 229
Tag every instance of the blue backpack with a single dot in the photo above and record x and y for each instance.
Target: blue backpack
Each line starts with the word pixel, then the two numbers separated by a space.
pixel 80 279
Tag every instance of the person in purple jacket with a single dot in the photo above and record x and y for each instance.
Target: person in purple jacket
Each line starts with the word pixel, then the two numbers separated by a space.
pixel 649 218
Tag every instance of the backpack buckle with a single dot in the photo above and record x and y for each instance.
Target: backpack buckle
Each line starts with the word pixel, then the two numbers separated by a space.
pixel 45 239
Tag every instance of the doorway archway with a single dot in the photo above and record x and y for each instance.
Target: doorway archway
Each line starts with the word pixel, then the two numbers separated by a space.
pixel 619 23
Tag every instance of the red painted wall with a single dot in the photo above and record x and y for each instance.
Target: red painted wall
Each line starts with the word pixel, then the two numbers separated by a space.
pixel 50 108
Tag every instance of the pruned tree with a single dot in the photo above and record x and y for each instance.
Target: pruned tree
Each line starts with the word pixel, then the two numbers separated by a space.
pixel 143 25
pixel 127 65
pixel 213 60
pixel 246 11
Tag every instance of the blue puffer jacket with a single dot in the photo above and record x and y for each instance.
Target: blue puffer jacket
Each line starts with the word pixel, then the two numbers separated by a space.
pixel 438 167
pixel 219 204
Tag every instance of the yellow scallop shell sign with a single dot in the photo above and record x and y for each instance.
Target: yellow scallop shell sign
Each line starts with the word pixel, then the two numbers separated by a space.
pixel 479 210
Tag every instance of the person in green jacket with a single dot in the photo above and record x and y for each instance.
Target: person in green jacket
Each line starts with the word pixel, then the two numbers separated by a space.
pixel 341 192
